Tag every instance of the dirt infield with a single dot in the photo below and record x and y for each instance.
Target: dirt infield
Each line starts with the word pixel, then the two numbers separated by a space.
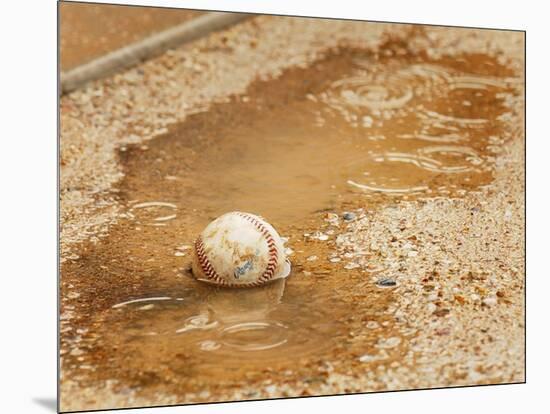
pixel 92 30
pixel 403 205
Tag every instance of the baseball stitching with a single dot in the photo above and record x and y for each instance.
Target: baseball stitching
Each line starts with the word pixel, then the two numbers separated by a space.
pixel 205 264
pixel 273 253
pixel 269 272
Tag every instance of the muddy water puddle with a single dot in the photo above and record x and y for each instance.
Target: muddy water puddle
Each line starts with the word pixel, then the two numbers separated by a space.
pixel 354 130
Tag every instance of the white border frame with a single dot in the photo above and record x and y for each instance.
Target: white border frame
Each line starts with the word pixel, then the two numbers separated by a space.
pixel 29 164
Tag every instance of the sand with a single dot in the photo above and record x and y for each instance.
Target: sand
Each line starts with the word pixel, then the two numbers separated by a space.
pixel 459 261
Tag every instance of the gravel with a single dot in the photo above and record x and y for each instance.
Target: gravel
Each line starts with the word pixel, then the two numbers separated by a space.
pixel 471 247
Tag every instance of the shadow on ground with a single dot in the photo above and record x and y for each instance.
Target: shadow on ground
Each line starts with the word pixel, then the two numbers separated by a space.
pixel 49 403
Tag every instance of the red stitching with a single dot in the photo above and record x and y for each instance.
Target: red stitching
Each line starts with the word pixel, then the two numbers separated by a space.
pixel 269 272
pixel 273 253
pixel 205 264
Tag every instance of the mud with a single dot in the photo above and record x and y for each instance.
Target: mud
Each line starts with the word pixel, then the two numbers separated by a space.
pixel 356 131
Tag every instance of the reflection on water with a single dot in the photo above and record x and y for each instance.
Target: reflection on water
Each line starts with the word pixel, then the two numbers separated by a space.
pixel 219 330
pixel 231 323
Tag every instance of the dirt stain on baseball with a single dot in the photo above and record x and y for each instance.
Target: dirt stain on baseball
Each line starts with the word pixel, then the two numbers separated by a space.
pixel 356 130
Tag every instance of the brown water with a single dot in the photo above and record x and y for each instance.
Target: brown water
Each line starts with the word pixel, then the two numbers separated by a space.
pixel 354 130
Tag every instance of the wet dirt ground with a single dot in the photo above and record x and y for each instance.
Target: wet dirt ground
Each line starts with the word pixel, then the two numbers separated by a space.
pixel 311 151
pixel 88 31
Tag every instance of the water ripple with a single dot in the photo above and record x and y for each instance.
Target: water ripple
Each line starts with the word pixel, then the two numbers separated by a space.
pixel 155 207
pixel 255 336
pixel 375 97
pixel 396 191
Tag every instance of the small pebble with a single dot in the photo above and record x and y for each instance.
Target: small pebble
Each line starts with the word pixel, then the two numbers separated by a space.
pixel 389 343
pixel 332 219
pixel 270 389
pixel 508 214
pixel 386 282
pixel 490 301
pixel 73 295
pixel 76 352
pixel 319 236
pixel 373 325
pixel 433 297
pixel 348 216
pixel 204 394
pixel 367 358
pixel 367 121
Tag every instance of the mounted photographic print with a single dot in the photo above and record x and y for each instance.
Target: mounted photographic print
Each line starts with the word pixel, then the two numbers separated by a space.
pixel 257 207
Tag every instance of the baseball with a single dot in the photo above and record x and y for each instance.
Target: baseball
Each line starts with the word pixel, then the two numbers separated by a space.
pixel 239 250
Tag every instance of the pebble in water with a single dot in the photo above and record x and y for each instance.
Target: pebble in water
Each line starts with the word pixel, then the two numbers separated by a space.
pixel 332 219
pixel 386 282
pixel 182 250
pixel 373 325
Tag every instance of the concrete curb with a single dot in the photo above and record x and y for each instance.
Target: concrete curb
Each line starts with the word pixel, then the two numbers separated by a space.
pixel 147 48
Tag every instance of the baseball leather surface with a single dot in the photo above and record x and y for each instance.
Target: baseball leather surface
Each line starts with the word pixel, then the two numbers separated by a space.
pixel 239 250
